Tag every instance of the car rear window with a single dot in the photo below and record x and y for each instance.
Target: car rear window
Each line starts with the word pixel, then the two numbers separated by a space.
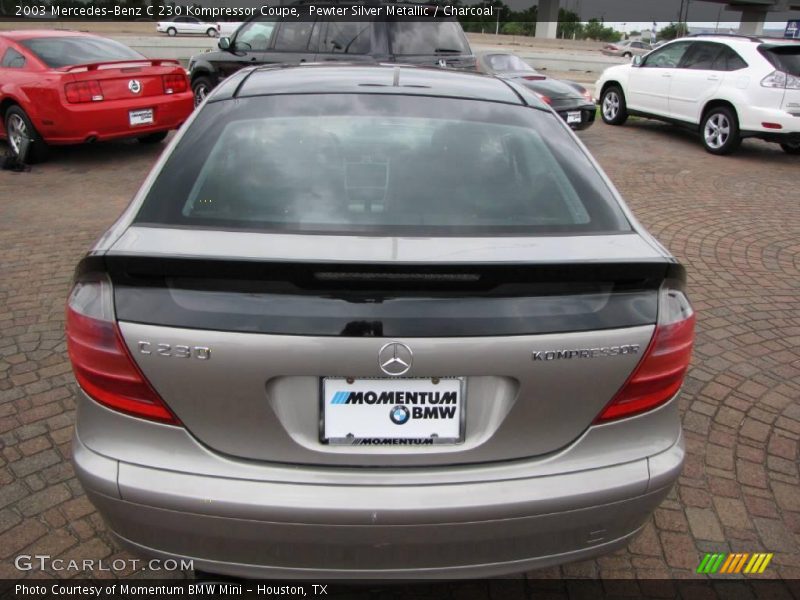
pixel 408 38
pixel 380 164
pixel 784 58
pixel 68 51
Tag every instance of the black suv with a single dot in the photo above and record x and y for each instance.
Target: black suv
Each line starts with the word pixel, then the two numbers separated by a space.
pixel 432 42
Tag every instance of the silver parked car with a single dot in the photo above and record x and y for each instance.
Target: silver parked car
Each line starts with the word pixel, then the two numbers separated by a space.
pixel 377 322
pixel 627 48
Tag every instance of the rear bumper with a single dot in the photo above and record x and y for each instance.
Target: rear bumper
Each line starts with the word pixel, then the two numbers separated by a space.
pixel 79 123
pixel 588 113
pixel 273 521
pixel 753 118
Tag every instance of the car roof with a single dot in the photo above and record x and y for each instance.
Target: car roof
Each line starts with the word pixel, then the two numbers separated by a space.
pixel 736 40
pixel 319 78
pixel 26 34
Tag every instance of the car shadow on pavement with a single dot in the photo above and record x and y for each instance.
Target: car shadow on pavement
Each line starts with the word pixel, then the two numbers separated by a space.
pixel 99 154
pixel 750 148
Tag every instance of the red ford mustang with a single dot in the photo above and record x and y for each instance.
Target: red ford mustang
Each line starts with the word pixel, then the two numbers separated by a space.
pixel 62 87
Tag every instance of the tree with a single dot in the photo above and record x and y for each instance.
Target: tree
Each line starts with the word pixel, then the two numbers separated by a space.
pixel 596 30
pixel 569 24
pixel 672 31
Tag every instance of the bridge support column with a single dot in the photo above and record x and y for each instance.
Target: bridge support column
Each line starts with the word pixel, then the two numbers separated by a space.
pixel 753 19
pixel 547 18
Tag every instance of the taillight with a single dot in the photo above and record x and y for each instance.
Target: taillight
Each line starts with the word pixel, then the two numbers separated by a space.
pixel 588 96
pixel 175 83
pixel 545 99
pixel 534 77
pixel 660 373
pixel 83 91
pixel 781 80
pixel 100 360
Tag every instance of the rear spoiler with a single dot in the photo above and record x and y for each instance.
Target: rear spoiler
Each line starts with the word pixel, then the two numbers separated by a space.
pixel 155 62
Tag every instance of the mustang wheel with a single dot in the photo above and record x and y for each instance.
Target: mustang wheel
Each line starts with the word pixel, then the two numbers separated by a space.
pixel 18 129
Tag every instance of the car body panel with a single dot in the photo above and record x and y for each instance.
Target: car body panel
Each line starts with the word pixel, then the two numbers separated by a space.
pixel 217 65
pixel 218 510
pixel 168 241
pixel 682 95
pixel 39 90
pixel 565 97
pixel 536 480
pixel 514 406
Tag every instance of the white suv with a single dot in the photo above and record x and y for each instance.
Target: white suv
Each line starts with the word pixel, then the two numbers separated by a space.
pixel 726 87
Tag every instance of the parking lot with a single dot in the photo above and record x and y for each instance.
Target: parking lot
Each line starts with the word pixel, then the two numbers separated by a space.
pixel 734 222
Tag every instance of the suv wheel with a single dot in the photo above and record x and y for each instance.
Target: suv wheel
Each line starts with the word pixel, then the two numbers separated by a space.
pixel 201 86
pixel 791 147
pixel 720 130
pixel 172 32
pixel 18 128
pixel 612 106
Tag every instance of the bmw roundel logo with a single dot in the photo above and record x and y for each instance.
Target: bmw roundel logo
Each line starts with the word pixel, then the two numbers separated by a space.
pixel 399 415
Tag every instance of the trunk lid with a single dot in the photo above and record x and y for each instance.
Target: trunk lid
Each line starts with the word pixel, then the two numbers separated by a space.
pixel 238 338
pixel 127 80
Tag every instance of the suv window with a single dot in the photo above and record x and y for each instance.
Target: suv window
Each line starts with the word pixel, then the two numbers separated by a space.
pixel 255 36
pixel 13 59
pixel 347 38
pixel 701 56
pixel 381 165
pixel 729 60
pixel 783 58
pixel 293 36
pixel 666 57
pixel 427 37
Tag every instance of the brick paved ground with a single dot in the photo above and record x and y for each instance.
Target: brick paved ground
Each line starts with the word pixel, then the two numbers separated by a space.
pixel 734 222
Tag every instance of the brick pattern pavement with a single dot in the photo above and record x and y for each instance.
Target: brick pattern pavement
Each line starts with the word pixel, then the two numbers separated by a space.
pixel 734 222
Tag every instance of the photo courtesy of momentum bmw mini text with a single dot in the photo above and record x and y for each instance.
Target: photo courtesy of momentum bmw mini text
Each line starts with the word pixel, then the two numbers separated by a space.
pixel 399 298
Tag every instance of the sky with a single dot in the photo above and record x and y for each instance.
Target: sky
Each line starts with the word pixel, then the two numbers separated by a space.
pixel 638 14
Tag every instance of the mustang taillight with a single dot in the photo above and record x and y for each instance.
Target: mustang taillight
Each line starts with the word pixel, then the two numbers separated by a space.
pixel 175 83
pixel 83 91
pixel 660 373
pixel 100 360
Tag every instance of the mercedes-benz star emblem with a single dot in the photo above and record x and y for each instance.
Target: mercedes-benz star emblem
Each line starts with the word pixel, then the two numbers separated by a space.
pixel 399 415
pixel 135 86
pixel 395 358
pixel 442 63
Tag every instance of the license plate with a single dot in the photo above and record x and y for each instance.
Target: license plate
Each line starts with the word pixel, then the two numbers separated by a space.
pixel 385 412
pixel 143 116
pixel 574 117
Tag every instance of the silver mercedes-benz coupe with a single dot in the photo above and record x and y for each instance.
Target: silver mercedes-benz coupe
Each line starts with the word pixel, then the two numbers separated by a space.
pixel 377 322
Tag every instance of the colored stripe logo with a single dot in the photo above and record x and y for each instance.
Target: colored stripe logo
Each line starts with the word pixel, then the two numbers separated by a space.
pixel 340 397
pixel 724 563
